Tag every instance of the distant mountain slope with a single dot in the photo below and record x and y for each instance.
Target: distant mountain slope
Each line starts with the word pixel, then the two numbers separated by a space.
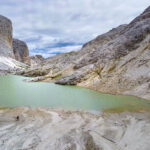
pixel 117 62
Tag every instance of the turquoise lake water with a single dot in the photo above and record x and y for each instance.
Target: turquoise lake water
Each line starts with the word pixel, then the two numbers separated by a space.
pixel 15 92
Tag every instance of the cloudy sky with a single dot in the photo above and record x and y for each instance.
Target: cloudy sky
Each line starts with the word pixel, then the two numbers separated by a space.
pixel 56 26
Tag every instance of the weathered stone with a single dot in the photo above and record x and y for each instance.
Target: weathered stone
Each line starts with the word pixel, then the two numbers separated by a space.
pixel 36 72
pixel 70 80
pixel 57 129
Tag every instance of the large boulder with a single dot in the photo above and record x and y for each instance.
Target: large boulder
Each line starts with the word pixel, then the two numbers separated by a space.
pixel 21 51
pixel 6 37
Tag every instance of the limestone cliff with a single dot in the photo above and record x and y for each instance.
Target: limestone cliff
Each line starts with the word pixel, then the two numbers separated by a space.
pixel 117 62
pixel 21 51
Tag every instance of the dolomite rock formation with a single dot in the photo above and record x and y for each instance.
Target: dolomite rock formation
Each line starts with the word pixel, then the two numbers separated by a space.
pixel 7 56
pixel 6 37
pixel 21 51
pixel 42 129
pixel 116 62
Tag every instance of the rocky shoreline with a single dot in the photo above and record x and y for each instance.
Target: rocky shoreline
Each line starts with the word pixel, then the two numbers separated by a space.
pixel 45 128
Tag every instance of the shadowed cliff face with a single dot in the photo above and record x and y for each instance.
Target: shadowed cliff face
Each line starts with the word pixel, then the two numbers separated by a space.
pixel 117 62
pixel 6 37
pixel 21 51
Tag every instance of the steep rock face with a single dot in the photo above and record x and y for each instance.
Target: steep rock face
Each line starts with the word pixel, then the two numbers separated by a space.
pixel 21 51
pixel 6 37
pixel 7 58
pixel 123 63
pixel 116 62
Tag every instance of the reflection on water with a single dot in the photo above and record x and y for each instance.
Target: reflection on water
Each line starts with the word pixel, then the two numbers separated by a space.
pixel 15 92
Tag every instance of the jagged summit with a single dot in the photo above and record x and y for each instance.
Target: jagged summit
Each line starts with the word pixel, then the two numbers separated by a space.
pixel 143 16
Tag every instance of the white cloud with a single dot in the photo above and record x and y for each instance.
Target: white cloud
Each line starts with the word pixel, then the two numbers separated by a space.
pixel 42 23
pixel 65 49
